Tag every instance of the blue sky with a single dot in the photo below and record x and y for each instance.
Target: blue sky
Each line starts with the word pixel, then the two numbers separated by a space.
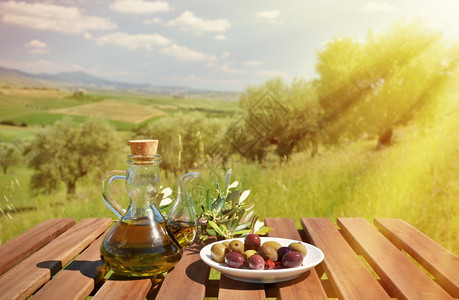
pixel 221 45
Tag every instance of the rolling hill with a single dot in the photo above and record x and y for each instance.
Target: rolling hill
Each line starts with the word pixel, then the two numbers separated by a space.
pixel 73 80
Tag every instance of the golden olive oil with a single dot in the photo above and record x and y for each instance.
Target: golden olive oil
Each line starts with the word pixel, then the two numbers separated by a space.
pixel 184 232
pixel 140 247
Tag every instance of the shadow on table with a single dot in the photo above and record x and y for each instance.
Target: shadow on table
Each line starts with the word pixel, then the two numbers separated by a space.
pixel 195 272
pixel 90 269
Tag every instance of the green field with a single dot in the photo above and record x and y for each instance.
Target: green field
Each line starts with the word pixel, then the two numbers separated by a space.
pixel 27 106
pixel 10 133
pixel 416 179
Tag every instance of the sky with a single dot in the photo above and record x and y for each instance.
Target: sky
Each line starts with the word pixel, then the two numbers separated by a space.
pixel 217 45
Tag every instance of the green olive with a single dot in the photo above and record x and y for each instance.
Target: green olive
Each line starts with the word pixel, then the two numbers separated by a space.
pixel 268 252
pixel 218 252
pixel 249 253
pixel 273 244
pixel 237 246
pixel 298 247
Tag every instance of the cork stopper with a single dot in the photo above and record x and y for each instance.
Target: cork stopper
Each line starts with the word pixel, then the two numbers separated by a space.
pixel 143 147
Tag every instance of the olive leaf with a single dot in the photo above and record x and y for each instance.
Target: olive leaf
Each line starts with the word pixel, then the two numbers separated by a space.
pixel 226 214
pixel 227 179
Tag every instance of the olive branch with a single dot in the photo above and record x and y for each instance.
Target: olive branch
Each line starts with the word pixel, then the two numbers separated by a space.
pixel 226 215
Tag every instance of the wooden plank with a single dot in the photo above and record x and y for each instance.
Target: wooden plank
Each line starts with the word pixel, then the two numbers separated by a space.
pixel 308 285
pixel 440 262
pixel 189 277
pixel 29 275
pixel 401 276
pixel 328 288
pixel 232 289
pixel 131 289
pixel 20 247
pixel 79 278
pixel 345 271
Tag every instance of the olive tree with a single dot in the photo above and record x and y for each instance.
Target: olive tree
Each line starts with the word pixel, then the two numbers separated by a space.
pixel 370 87
pixel 283 115
pixel 185 140
pixel 9 156
pixel 68 151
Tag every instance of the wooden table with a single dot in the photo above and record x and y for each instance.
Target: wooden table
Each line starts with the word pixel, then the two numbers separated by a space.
pixel 60 260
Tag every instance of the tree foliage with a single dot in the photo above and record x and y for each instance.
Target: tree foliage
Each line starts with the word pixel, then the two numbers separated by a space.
pixel 372 86
pixel 283 114
pixel 185 139
pixel 10 155
pixel 67 152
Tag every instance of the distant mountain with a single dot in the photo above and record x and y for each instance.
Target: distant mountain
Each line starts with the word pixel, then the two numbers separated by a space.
pixel 82 78
pixel 72 80
pixel 14 73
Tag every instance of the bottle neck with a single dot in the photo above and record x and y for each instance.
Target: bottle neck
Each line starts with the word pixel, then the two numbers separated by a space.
pixel 142 184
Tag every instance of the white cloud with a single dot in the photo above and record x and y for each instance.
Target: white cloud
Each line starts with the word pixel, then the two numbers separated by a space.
pixel 374 7
pixel 252 63
pixel 42 16
pixel 228 69
pixel 220 37
pixel 36 44
pixel 271 16
pixel 151 42
pixel 77 67
pixel 133 41
pixel 271 73
pixel 188 21
pixel 225 54
pixel 140 7
pixel 37 47
pixel 153 21
pixel 39 51
pixel 87 35
pixel 184 53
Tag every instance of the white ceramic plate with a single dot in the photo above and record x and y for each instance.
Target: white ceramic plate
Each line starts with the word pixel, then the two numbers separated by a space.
pixel 313 257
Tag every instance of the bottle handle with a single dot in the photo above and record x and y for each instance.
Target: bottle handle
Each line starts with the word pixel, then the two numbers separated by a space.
pixel 107 195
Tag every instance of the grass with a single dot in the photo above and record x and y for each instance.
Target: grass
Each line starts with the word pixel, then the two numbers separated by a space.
pixel 10 133
pixel 113 110
pixel 44 118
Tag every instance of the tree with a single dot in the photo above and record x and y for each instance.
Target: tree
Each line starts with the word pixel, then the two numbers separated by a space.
pixel 283 115
pixel 185 139
pixel 67 152
pixel 373 86
pixel 9 156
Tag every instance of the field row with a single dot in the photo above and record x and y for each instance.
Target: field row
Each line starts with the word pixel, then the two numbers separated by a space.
pixel 28 107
